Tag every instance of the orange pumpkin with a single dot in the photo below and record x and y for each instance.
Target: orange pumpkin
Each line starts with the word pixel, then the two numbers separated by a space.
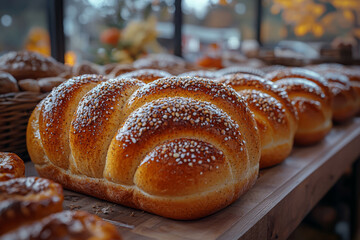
pixel 110 36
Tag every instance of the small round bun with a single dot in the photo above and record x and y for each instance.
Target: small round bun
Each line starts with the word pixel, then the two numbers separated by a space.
pixel 8 83
pixel 30 85
pixel 47 84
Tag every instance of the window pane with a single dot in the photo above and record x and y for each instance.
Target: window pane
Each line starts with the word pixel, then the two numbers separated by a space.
pixel 117 31
pixel 23 25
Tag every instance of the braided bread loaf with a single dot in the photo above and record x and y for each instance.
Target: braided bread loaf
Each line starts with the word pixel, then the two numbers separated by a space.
pixel 179 147
pixel 275 116
pixel 310 94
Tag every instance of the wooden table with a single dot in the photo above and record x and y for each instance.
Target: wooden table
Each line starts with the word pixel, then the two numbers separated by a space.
pixel 272 209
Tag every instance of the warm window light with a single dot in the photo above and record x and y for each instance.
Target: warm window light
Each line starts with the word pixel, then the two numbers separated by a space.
pixel 38 40
pixel 70 58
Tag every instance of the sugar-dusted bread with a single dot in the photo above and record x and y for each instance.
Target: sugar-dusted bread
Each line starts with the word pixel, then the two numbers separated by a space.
pixel 310 94
pixel 30 208
pixel 11 166
pixel 182 148
pixel 146 75
pixel 166 62
pixel 25 64
pixel 24 200
pixel 275 116
pixel 66 225
pixel 200 73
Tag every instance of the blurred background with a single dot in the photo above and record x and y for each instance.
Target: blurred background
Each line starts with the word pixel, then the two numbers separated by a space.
pixel 105 31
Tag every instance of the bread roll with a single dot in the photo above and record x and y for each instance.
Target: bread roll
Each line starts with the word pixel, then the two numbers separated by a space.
pixel 85 68
pixel 11 166
pixel 24 200
pixel 30 85
pixel 346 102
pixel 8 83
pixel 347 92
pixel 354 77
pixel 121 69
pixel 30 208
pixel 310 94
pixel 24 64
pixel 108 68
pixel 166 62
pixel 146 75
pixel 47 84
pixel 182 148
pixel 275 116
pixel 239 69
pixel 199 73
pixel 66 225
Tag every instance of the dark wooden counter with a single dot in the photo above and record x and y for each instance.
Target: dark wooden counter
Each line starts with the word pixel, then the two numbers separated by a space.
pixel 272 209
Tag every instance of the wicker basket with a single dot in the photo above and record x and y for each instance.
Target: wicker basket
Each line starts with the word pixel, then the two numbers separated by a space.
pixel 15 110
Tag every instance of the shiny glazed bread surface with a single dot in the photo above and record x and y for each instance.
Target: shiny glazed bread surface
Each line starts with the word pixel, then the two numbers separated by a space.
pixel 275 116
pixel 179 147
pixel 310 94
pixel 11 166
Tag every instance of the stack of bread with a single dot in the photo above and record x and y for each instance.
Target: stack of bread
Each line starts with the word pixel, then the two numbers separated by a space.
pixel 29 71
pixel 183 147
pixel 31 208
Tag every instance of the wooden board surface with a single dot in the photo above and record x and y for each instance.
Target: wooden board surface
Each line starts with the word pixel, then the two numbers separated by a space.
pixel 272 209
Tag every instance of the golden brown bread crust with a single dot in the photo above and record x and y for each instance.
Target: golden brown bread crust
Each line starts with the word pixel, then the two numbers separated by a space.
pixel 89 150
pixel 7 83
pixel 275 116
pixel 24 200
pixel 66 225
pixel 56 114
pixel 24 64
pixel 301 73
pixel 121 69
pixel 27 207
pixel 146 75
pixel 164 115
pixel 30 85
pixel 313 107
pixel 11 166
pixel 84 68
pixel 345 100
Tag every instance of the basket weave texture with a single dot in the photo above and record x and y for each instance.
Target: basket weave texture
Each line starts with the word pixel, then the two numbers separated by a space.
pixel 15 110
